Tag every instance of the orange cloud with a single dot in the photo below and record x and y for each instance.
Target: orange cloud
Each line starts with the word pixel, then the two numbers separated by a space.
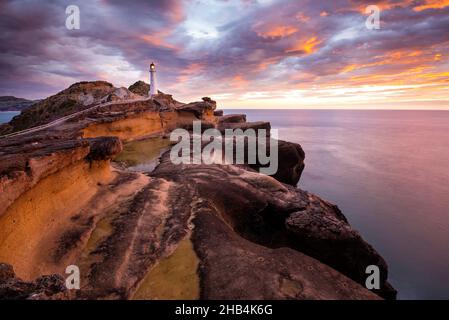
pixel 385 5
pixel 396 57
pixel 266 62
pixel 158 39
pixel 239 81
pixel 388 4
pixel 309 46
pixel 418 74
pixel 438 75
pixel 437 57
pixel 350 68
pixel 432 4
pixel 190 71
pixel 175 11
pixel 274 32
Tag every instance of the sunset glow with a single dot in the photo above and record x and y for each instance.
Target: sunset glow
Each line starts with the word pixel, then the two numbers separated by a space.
pixel 245 54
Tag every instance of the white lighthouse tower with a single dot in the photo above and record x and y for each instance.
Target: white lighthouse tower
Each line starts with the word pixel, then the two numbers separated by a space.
pixel 153 85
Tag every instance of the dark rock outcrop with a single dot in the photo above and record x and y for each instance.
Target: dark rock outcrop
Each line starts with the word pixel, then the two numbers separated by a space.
pixel 322 231
pixel 141 88
pixel 200 109
pixel 104 148
pixel 166 101
pixel 235 268
pixel 6 272
pixel 263 211
pixel 290 155
pixel 43 288
pixel 232 118
pixel 291 162
pixel 245 125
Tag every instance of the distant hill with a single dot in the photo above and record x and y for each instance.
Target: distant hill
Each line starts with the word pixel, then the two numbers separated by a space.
pixel 79 96
pixel 75 98
pixel 10 103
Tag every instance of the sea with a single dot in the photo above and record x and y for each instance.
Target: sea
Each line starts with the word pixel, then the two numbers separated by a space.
pixel 6 116
pixel 388 171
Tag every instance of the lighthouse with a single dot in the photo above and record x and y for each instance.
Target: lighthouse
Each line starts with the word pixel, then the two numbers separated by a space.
pixel 153 85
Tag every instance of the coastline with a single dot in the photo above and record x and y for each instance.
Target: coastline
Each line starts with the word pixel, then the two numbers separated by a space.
pixel 375 166
pixel 143 217
pixel 6 116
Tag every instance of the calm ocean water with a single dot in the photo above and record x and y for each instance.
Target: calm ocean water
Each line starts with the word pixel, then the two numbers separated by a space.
pixel 388 172
pixel 7 115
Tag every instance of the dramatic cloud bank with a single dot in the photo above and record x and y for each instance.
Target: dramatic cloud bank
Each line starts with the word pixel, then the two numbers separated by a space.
pixel 247 53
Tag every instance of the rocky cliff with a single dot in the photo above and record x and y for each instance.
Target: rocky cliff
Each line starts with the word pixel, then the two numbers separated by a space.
pixel 186 231
pixel 77 97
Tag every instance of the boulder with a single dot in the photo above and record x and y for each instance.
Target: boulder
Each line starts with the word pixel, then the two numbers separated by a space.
pixel 141 88
pixel 121 94
pixel 244 126
pixel 232 118
pixel 291 162
pixel 200 109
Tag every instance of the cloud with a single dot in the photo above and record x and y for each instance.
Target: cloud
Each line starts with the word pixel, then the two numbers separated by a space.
pixel 204 47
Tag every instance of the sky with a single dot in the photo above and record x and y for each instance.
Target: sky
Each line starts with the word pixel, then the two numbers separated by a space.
pixel 243 53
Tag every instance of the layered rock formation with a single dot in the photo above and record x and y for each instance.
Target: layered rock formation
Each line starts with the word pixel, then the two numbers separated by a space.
pixel 186 231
